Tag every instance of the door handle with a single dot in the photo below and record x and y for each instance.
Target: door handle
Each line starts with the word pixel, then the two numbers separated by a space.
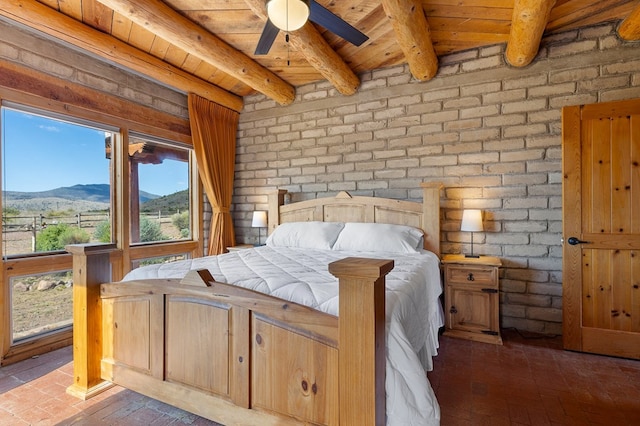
pixel 575 241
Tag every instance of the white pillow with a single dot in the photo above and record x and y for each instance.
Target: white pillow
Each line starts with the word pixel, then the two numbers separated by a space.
pixel 315 235
pixel 380 237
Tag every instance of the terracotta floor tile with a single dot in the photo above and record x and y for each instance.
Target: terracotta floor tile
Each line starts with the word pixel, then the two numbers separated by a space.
pixel 490 420
pixel 538 417
pixel 519 414
pixel 540 383
pixel 8 419
pixel 527 381
pixel 453 420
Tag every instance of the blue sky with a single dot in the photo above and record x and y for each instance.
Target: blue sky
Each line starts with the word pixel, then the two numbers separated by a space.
pixel 41 154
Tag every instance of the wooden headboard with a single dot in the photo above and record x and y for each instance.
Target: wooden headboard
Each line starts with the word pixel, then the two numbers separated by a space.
pixel 346 208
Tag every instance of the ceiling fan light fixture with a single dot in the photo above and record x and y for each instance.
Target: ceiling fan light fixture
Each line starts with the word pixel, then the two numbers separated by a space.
pixel 288 15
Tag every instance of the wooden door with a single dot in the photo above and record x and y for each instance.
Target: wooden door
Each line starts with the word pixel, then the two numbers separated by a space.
pixel 601 228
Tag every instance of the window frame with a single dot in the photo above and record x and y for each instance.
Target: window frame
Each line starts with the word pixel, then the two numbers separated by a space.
pixel 26 109
pixel 191 163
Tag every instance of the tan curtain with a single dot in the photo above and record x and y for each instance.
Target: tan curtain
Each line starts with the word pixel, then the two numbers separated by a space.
pixel 213 131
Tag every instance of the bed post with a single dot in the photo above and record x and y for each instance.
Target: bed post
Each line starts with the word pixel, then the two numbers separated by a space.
pixel 91 267
pixel 276 199
pixel 361 346
pixel 431 216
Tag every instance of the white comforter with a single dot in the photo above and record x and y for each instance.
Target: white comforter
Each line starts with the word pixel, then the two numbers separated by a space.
pixel 413 311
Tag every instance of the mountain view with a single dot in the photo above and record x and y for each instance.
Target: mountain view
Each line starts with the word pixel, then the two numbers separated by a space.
pixel 97 192
pixel 84 198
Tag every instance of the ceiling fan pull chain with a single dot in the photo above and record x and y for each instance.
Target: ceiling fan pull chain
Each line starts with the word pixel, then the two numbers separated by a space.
pixel 286 38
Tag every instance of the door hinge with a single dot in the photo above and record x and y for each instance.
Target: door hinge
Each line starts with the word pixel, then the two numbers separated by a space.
pixel 489 290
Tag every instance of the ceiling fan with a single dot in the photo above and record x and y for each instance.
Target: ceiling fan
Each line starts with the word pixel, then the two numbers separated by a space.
pixel 290 15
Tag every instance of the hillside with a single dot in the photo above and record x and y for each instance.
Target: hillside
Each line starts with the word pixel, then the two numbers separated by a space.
pixel 47 204
pixel 93 192
pixel 172 203
pixel 85 198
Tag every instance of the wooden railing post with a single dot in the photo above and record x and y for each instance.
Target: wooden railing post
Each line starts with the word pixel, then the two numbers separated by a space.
pixel 362 348
pixel 91 267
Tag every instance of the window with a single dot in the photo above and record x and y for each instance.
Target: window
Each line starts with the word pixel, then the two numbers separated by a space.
pixel 55 191
pixel 55 182
pixel 41 303
pixel 160 197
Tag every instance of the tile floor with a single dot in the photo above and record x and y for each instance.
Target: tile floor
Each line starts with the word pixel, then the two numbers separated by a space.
pixel 527 381
pixel 32 392
pixel 532 381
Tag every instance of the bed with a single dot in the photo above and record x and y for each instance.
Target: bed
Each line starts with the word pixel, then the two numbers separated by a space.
pixel 333 321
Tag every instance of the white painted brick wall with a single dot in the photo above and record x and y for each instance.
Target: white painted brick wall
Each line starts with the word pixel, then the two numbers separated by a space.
pixel 489 132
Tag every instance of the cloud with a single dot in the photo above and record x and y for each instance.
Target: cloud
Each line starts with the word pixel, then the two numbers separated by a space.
pixel 53 129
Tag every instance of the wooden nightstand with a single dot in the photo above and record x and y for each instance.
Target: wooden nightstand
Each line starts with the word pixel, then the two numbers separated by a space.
pixel 240 247
pixel 472 301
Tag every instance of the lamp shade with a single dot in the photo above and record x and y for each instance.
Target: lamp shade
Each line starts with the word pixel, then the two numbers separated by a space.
pixel 471 220
pixel 288 15
pixel 259 219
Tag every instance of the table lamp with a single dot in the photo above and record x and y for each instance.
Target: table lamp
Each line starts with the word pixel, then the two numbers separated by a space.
pixel 259 221
pixel 471 222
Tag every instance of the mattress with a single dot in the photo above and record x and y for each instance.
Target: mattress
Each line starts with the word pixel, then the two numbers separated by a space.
pixel 413 311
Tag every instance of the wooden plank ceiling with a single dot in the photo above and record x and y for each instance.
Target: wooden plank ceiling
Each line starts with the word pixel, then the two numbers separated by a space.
pixel 204 46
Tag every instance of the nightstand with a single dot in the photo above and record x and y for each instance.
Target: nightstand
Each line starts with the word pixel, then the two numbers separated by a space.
pixel 240 247
pixel 472 301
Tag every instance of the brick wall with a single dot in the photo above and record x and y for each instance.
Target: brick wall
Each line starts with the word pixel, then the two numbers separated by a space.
pixel 489 132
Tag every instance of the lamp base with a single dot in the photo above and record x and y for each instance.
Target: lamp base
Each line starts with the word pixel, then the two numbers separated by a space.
pixel 474 256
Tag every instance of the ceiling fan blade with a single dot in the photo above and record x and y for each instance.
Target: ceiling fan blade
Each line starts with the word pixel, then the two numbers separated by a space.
pixel 324 17
pixel 269 33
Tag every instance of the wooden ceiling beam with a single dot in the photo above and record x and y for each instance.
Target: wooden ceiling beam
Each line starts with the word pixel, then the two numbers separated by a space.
pixel 309 42
pixel 630 28
pixel 412 31
pixel 168 24
pixel 55 24
pixel 530 17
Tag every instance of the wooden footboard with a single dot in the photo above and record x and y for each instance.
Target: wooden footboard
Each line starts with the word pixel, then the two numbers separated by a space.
pixel 240 357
